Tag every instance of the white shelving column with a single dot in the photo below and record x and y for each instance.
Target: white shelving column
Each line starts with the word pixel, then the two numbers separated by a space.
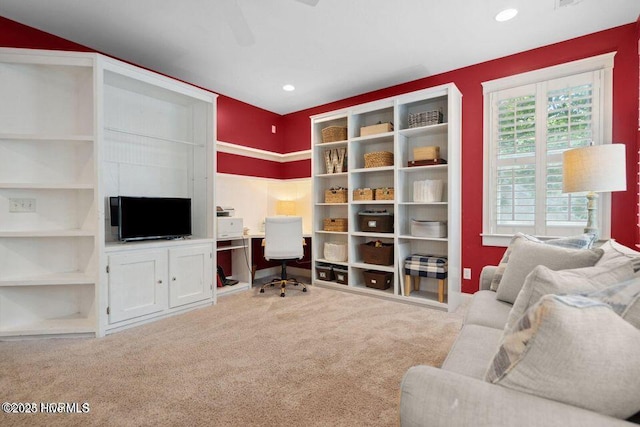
pixel 157 140
pixel 48 194
pixel 400 141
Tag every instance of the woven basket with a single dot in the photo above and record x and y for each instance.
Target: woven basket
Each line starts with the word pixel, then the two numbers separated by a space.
pixel 363 194
pixel 426 118
pixel 334 133
pixel 378 159
pixel 335 224
pixel 335 195
pixel 383 194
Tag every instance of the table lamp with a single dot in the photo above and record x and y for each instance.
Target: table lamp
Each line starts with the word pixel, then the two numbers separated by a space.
pixel 285 207
pixel 596 169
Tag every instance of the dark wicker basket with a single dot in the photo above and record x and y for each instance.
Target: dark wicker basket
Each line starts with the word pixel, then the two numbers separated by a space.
pixel 379 255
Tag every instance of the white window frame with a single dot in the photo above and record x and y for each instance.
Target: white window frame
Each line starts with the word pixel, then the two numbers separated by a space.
pixel 602 63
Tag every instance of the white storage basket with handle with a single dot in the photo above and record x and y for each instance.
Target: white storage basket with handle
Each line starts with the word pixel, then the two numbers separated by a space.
pixel 335 252
pixel 420 228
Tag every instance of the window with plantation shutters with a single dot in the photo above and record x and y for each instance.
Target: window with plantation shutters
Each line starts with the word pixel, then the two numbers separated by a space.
pixel 530 120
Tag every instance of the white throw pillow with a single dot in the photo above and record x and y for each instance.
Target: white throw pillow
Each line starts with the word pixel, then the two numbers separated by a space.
pixel 614 250
pixel 526 255
pixel 575 350
pixel 583 241
pixel 542 281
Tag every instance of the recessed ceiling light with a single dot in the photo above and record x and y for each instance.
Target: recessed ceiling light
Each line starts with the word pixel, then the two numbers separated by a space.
pixel 506 14
pixel 289 88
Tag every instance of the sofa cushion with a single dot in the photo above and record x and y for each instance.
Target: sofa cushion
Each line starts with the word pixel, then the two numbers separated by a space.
pixel 473 350
pixel 542 281
pixel 623 298
pixel 583 241
pixel 485 310
pixel 574 350
pixel 526 255
pixel 614 250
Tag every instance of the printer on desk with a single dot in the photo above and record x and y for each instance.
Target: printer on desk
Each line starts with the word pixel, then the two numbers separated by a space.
pixel 228 226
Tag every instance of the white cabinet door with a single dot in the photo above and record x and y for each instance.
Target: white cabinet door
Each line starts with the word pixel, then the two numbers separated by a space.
pixel 137 284
pixel 190 271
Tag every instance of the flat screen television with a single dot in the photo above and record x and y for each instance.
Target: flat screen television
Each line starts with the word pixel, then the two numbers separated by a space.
pixel 141 218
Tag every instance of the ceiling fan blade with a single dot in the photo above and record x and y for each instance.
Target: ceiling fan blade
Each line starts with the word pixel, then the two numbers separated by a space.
pixel 309 2
pixel 238 24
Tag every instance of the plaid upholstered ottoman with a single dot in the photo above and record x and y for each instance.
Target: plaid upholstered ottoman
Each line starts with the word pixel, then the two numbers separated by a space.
pixel 417 266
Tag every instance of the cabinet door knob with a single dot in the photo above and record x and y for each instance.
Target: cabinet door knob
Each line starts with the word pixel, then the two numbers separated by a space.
pixel 173 278
pixel 160 281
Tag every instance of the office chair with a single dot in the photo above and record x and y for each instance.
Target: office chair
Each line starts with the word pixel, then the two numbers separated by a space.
pixel 283 241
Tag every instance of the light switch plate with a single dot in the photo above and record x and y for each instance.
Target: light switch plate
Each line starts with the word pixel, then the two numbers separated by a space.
pixel 22 205
pixel 466 274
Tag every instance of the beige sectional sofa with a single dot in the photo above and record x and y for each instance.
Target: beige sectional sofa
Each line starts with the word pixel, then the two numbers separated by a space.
pixel 467 390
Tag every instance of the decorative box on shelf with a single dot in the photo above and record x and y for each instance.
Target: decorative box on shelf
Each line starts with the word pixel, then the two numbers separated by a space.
pixel 376 221
pixel 377 279
pixel 426 153
pixel 378 159
pixel 324 272
pixel 375 129
pixel 376 252
pixel 335 252
pixel 335 224
pixel 334 133
pixel 335 195
pixel 421 228
pixel 427 191
pixel 363 194
pixel 413 163
pixel 341 275
pixel 426 118
pixel 383 193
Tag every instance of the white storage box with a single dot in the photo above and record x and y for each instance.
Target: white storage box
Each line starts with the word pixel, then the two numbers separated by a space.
pixel 335 252
pixel 428 228
pixel 429 190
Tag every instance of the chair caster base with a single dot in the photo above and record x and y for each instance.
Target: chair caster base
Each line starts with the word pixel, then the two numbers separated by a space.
pixel 262 291
pixel 282 295
pixel 304 289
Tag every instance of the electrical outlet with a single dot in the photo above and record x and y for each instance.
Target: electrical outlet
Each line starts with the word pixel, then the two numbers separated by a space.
pixel 466 274
pixel 273 128
pixel 22 205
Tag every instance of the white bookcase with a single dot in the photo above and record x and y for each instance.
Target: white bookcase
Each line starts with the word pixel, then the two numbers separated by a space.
pixel 400 141
pixel 76 128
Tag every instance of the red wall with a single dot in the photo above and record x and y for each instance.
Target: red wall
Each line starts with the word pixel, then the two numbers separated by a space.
pixel 636 183
pixel 622 39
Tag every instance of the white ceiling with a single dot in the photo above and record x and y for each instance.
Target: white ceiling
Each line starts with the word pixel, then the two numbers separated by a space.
pixel 336 49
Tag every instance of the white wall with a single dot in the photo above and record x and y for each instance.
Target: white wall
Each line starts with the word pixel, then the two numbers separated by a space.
pixel 255 198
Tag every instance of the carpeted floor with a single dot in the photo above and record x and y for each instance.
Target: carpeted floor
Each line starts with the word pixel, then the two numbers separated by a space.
pixel 321 358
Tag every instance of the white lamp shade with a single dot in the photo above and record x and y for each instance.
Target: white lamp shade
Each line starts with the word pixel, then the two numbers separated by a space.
pixel 598 168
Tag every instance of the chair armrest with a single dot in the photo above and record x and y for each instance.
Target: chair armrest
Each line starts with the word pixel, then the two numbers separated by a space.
pixel 436 397
pixel 486 275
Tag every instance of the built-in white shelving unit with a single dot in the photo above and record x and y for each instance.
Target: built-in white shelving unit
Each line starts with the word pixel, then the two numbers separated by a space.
pixel 75 129
pixel 240 250
pixel 400 141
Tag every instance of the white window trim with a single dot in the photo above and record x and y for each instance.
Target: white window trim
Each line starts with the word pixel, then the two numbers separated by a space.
pixel 602 62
